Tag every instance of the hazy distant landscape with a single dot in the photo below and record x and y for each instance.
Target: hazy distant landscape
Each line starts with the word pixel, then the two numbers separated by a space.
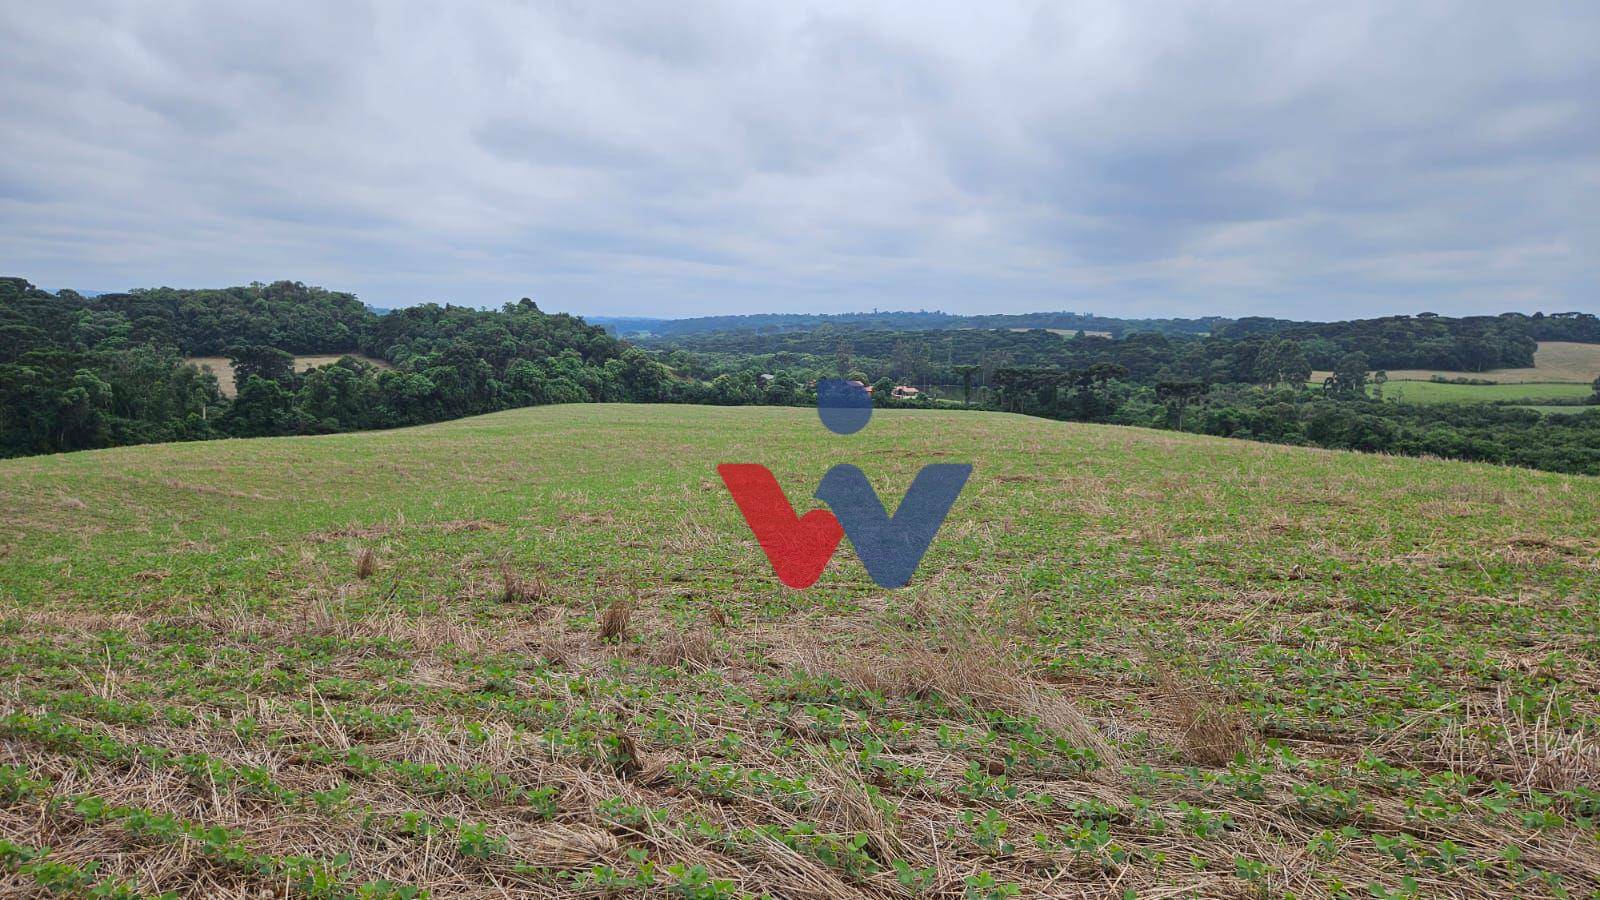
pixel 284 358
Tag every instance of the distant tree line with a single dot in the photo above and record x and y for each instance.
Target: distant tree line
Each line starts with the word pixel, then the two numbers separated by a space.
pixel 79 372
pixel 1243 353
pixel 920 320
pixel 1345 418
pixel 1253 381
pixel 1473 344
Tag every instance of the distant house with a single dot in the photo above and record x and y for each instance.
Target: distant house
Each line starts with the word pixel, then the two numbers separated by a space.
pixel 905 392
pixel 854 383
pixel 765 379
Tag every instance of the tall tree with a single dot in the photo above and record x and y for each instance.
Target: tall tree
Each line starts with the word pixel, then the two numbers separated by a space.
pixel 1349 378
pixel 966 371
pixel 260 361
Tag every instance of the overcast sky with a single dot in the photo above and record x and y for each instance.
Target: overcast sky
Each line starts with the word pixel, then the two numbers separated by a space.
pixel 1318 160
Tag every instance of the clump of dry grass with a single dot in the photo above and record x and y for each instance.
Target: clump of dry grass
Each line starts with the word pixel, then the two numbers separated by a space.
pixel 559 846
pixel 366 563
pixel 970 667
pixel 718 617
pixel 556 651
pixel 689 647
pixel 614 621
pixel 1214 732
pixel 844 801
pixel 518 588
pixel 1495 742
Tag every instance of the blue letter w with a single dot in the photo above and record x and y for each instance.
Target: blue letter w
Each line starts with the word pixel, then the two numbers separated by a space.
pixel 891 549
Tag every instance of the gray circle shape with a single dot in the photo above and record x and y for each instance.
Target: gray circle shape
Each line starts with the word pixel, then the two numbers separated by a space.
pixel 845 407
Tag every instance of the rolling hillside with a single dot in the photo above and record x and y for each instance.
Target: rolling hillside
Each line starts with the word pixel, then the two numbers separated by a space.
pixel 538 653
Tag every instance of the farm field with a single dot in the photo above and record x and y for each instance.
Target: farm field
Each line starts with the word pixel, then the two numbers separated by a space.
pixel 538 653
pixel 1065 332
pixel 1554 361
pixel 1438 392
pixel 222 367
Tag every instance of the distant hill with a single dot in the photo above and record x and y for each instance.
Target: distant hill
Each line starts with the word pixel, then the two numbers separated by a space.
pixel 641 328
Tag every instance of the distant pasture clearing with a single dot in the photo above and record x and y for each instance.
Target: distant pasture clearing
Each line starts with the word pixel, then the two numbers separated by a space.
pixel 1437 392
pixel 1065 332
pixel 1444 392
pixel 1554 361
pixel 223 369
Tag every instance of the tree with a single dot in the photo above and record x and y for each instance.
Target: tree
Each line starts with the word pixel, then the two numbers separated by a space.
pixel 842 357
pixel 783 390
pixel 1293 367
pixel 81 413
pixel 1282 361
pixel 908 361
pixel 1269 364
pixel 1349 378
pixel 260 361
pixel 882 391
pixel 1177 394
pixel 966 371
pixel 1379 379
pixel 262 408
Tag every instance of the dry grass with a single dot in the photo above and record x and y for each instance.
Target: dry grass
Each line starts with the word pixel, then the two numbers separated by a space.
pixel 845 802
pixel 222 367
pixel 366 563
pixel 559 846
pixel 1213 731
pixel 518 588
pixel 689 647
pixel 966 667
pixel 1497 743
pixel 613 626
pixel 625 758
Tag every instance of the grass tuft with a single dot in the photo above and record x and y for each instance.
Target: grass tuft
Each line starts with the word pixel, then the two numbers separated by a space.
pixel 1214 732
pixel 614 621
pixel 519 588
pixel 689 647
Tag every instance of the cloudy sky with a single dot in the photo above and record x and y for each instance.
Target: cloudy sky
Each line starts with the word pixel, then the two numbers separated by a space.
pixel 1316 160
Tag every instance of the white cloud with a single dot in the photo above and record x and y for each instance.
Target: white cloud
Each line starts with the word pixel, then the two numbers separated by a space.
pixel 1291 159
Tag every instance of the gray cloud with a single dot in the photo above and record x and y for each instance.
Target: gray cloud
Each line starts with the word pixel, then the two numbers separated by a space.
pixel 1278 158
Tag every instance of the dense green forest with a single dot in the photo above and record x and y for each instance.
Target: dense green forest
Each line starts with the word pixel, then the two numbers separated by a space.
pixel 82 372
pixel 78 373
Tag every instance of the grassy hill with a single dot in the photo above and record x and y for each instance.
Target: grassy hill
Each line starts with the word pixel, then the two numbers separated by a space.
pixel 1132 661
